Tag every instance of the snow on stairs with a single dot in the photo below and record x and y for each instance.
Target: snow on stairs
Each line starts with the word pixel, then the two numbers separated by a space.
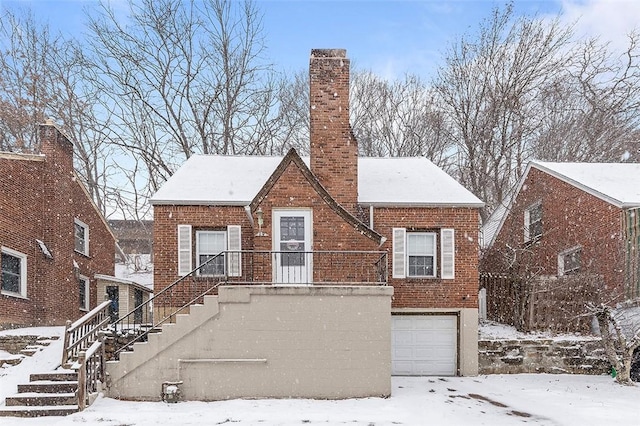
pixel 47 394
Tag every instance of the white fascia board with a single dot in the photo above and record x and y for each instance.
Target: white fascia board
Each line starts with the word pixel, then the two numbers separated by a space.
pixel 422 205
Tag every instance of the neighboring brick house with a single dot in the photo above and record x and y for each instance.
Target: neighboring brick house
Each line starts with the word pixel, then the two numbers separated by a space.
pixel 327 220
pixel 570 219
pixel 53 239
pixel 134 236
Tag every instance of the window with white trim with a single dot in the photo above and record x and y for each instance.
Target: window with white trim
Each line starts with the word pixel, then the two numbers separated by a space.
pixel 208 245
pixel 83 291
pixel 533 222
pixel 14 272
pixel 570 261
pixel 421 254
pixel 81 234
pixel 415 254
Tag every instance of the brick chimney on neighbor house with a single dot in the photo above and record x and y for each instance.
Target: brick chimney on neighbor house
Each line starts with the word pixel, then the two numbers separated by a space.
pixel 334 150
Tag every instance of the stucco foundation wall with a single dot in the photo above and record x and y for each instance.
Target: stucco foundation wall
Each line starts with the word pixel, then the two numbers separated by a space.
pixel 267 342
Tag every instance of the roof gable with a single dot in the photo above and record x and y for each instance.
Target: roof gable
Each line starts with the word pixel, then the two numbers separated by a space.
pixel 292 157
pixel 614 183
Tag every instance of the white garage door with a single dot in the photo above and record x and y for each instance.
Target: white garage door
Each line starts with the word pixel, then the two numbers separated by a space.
pixel 424 345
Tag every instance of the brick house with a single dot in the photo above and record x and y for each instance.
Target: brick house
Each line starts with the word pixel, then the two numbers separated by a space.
pixel 568 221
pixel 53 239
pixel 334 219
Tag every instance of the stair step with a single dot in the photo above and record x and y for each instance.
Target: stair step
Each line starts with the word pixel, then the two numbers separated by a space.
pixel 28 352
pixel 39 399
pixel 49 386
pixel 56 376
pixel 38 411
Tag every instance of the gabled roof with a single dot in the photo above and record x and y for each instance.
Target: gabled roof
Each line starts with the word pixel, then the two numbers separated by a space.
pixel 615 183
pixel 293 157
pixel 236 180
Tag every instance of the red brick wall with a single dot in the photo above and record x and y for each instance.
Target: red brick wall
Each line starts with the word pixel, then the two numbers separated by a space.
pixel 21 205
pixel 101 257
pixel 334 151
pixel 461 292
pixel 570 217
pixel 331 232
pixel 39 200
pixel 165 234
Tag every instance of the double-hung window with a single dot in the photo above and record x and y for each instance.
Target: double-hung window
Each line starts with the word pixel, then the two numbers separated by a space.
pixel 81 233
pixel 210 244
pixel 570 261
pixel 14 272
pixel 83 290
pixel 226 244
pixel 423 254
pixel 533 222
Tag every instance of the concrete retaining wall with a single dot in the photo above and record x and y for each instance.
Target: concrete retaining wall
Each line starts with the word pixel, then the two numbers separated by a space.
pixel 267 342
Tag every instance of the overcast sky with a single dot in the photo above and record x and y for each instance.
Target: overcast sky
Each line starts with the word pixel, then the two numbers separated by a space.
pixel 390 37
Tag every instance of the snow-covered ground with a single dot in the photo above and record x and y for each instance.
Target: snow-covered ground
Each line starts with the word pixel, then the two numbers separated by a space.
pixel 538 399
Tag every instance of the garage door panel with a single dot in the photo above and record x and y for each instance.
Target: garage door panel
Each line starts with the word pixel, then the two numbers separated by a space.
pixel 403 324
pixel 424 345
pixel 403 354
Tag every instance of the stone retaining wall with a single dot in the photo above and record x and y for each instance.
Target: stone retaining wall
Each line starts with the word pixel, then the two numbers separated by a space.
pixel 15 344
pixel 542 356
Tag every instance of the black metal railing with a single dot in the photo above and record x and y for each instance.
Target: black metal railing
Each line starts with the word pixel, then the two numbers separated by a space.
pixel 327 267
pixel 136 325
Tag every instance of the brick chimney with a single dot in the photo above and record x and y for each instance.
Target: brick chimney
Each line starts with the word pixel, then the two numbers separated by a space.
pixel 334 150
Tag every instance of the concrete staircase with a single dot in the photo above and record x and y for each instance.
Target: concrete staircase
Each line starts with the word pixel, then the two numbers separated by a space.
pixel 158 342
pixel 47 394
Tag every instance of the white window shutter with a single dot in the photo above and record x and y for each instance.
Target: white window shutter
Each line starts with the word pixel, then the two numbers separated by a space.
pixel 234 244
pixel 399 253
pixel 184 250
pixel 527 221
pixel 447 253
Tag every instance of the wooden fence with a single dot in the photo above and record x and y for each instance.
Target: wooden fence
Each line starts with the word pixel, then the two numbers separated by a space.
pixel 541 303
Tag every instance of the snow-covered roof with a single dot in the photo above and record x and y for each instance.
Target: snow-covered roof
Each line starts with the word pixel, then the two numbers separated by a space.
pixel 235 180
pixel 616 183
pixel 409 181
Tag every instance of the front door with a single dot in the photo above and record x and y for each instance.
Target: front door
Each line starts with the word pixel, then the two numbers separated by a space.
pixel 292 258
pixel 114 307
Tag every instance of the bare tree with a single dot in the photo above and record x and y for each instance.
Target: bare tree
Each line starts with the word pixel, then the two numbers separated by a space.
pixel 398 118
pixel 41 77
pixel 592 112
pixel 182 78
pixel 489 89
pixel 25 80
